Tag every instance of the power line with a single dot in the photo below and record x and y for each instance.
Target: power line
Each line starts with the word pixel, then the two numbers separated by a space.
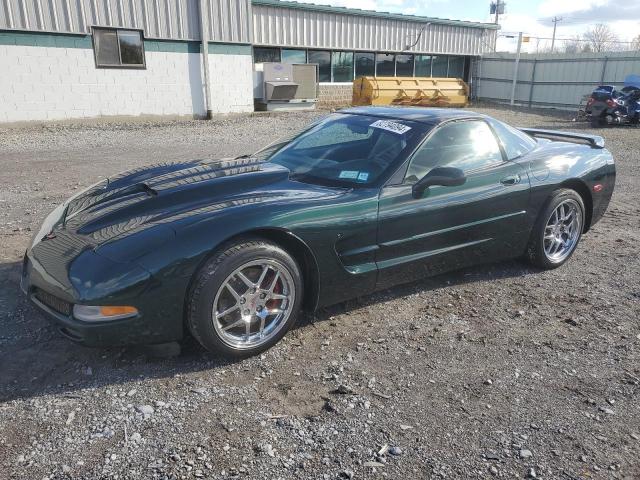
pixel 567 20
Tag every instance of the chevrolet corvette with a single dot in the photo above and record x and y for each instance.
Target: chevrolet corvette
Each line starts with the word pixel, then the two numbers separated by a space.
pixel 233 250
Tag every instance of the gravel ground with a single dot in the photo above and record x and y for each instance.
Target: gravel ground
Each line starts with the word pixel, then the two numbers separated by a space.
pixel 498 371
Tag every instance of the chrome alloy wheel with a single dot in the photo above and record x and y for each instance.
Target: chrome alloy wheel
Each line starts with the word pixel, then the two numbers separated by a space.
pixel 253 303
pixel 562 231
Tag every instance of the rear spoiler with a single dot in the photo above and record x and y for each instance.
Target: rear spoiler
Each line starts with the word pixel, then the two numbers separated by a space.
pixel 595 141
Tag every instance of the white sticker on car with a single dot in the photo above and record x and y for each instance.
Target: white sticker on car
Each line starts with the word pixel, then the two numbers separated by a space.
pixel 350 174
pixel 391 126
pixel 363 176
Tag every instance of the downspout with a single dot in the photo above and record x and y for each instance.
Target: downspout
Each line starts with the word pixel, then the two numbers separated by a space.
pixel 205 58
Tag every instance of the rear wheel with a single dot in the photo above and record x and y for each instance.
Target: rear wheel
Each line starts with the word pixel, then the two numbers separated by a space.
pixel 245 299
pixel 557 231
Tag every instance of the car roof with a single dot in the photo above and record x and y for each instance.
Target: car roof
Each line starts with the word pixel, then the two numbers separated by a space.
pixel 431 116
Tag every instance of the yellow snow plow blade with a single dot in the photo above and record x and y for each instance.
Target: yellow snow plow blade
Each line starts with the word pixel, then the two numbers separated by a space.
pixel 419 91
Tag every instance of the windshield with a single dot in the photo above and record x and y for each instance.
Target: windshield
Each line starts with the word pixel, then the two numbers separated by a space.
pixel 343 149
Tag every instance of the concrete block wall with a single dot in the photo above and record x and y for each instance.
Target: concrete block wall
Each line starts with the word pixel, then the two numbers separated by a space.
pixel 231 83
pixel 335 94
pixel 52 82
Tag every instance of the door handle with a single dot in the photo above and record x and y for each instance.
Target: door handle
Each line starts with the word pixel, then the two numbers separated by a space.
pixel 511 180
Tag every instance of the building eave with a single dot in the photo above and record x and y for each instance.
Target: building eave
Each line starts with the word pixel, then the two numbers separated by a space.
pixel 372 13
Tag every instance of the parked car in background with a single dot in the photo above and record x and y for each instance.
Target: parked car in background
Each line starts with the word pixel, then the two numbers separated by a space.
pixel 609 106
pixel 232 250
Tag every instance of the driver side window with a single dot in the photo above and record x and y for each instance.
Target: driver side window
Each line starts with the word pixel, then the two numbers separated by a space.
pixel 468 145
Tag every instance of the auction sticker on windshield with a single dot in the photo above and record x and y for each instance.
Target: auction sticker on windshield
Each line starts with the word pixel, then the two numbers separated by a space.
pixel 391 126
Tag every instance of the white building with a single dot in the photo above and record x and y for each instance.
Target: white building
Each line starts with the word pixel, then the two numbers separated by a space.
pixel 89 58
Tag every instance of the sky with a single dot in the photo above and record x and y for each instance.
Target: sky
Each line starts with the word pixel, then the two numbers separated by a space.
pixel 533 17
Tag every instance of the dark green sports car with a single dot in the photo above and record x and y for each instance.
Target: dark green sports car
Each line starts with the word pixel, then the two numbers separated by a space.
pixel 232 250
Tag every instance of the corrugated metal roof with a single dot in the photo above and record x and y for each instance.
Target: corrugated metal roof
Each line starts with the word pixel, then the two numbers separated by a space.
pixel 275 23
pixel 263 22
pixel 372 13
pixel 229 20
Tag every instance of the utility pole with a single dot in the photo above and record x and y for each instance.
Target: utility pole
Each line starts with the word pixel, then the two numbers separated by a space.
pixel 515 70
pixel 555 21
pixel 496 8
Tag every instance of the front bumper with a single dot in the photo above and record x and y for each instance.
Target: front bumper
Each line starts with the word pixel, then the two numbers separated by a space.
pixel 102 334
pixel 56 302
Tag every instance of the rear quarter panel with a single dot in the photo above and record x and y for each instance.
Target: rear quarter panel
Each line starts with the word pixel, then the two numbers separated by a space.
pixel 554 165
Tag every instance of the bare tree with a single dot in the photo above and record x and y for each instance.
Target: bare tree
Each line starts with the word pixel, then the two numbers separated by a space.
pixel 600 38
pixel 635 43
pixel 573 45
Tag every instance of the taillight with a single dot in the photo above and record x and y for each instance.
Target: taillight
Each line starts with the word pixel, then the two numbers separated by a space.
pixel 590 101
pixel 597 187
pixel 611 103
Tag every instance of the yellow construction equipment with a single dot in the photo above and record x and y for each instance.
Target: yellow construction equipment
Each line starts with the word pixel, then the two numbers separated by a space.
pixel 419 91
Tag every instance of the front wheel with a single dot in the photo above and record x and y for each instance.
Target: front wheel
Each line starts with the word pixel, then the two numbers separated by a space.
pixel 557 231
pixel 245 298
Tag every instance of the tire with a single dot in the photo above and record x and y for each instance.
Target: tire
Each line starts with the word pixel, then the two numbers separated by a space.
pixel 596 122
pixel 245 283
pixel 540 251
pixel 599 121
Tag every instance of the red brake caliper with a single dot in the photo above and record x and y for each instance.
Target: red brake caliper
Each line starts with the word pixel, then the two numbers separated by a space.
pixel 271 304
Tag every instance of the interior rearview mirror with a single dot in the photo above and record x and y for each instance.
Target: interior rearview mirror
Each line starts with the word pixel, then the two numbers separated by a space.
pixel 443 176
pixel 358 128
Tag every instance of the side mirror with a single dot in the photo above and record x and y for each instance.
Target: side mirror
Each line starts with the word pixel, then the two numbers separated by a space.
pixel 443 176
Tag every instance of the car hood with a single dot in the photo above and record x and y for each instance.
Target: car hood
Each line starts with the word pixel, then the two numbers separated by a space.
pixel 166 193
pixel 126 216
